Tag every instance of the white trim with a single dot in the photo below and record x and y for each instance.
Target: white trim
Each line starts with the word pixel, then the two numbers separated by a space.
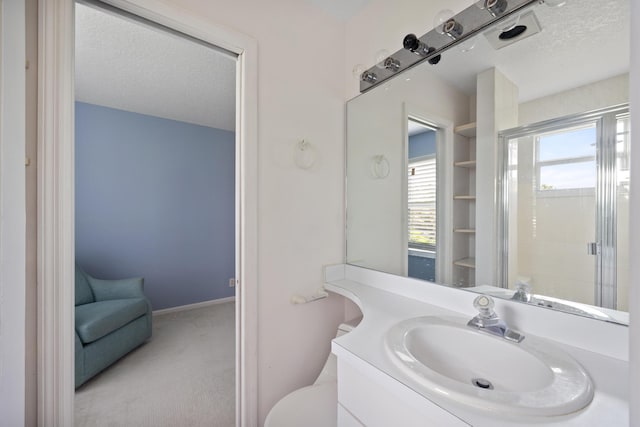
pixel 13 298
pixel 634 233
pixel 193 306
pixel 56 195
pixel 55 213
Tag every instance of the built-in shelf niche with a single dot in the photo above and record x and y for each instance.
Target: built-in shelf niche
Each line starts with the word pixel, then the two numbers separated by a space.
pixel 468 130
pixel 463 248
pixel 466 263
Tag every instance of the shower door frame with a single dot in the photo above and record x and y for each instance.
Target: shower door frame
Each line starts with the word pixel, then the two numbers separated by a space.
pixel 605 277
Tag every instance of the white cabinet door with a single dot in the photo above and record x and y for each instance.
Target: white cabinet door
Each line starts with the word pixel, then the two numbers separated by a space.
pixel 345 419
pixel 380 401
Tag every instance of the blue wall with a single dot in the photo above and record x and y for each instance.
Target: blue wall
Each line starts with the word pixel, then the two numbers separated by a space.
pixel 155 198
pixel 422 144
pixel 422 268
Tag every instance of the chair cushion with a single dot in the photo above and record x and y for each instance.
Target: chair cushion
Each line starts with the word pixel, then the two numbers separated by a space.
pixel 84 295
pixel 97 319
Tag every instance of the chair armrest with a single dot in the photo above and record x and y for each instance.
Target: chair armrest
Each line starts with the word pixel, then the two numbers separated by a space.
pixel 117 289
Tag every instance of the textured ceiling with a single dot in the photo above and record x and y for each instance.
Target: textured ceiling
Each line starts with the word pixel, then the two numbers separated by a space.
pixel 123 64
pixel 581 42
pixel 130 66
pixel 126 65
pixel 341 9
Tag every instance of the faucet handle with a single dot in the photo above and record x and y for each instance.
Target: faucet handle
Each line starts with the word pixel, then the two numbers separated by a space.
pixel 523 291
pixel 484 304
pixel 521 285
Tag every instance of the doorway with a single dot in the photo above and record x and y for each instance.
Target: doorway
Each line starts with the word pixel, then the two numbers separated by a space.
pixel 422 200
pixel 154 198
pixel 56 201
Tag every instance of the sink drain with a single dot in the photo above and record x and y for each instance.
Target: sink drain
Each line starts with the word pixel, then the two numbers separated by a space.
pixel 482 383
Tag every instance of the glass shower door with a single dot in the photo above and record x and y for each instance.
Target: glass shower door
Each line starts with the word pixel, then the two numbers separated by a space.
pixel 565 220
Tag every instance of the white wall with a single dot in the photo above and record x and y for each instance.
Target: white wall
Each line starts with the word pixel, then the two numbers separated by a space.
pixel 301 95
pixel 602 94
pixel 12 213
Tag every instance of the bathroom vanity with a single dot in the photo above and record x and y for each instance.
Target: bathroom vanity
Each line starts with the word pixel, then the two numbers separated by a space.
pixel 375 389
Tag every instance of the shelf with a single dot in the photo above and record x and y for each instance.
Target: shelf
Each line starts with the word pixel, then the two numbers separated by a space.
pixel 463 243
pixel 468 130
pixel 466 164
pixel 464 230
pixel 466 262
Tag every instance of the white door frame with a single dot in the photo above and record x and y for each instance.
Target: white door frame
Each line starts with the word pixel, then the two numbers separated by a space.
pixel 56 252
pixel 444 170
pixel 13 307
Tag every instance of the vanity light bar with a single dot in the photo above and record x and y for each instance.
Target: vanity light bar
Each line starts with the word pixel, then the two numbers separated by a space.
pixel 466 24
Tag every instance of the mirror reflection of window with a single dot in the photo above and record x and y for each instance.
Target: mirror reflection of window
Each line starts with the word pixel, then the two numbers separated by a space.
pixel 422 200
pixel 566 159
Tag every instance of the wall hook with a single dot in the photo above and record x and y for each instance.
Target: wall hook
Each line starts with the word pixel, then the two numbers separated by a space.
pixel 380 167
pixel 304 154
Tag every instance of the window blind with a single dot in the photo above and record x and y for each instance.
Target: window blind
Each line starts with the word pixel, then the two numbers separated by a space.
pixel 422 203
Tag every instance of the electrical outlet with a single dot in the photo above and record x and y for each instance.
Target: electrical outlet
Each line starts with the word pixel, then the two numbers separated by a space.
pixel 232 283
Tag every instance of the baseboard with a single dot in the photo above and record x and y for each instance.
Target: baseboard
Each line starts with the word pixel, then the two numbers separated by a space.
pixel 193 306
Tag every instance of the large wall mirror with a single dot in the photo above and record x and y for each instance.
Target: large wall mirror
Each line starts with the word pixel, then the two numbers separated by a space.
pixel 503 168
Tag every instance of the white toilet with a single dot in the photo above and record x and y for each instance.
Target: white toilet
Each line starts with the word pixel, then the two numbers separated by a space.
pixel 315 405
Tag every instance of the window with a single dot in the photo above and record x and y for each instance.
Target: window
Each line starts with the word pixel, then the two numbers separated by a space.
pixel 422 203
pixel 566 159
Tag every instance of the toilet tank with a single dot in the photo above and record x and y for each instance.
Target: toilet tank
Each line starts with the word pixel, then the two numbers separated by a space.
pixel 329 372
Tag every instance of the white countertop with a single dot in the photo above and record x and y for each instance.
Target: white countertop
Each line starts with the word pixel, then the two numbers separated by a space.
pixel 382 309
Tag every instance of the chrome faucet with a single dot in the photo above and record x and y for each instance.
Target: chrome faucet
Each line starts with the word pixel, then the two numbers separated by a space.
pixel 488 321
pixel 523 292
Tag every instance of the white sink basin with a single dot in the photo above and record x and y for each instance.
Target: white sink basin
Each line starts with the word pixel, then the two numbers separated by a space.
pixel 451 360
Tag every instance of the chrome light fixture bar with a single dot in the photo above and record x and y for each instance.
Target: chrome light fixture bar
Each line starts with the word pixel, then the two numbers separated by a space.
pixel 466 24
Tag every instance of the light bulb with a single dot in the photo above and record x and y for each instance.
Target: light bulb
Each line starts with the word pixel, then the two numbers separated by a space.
pixel 509 24
pixel 453 29
pixel 440 19
pixel 380 56
pixel 496 7
pixel 468 45
pixel 392 64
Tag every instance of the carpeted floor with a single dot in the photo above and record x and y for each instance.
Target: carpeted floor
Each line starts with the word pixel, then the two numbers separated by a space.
pixel 183 377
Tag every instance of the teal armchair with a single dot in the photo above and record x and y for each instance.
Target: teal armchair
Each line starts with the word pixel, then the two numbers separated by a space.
pixel 112 317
